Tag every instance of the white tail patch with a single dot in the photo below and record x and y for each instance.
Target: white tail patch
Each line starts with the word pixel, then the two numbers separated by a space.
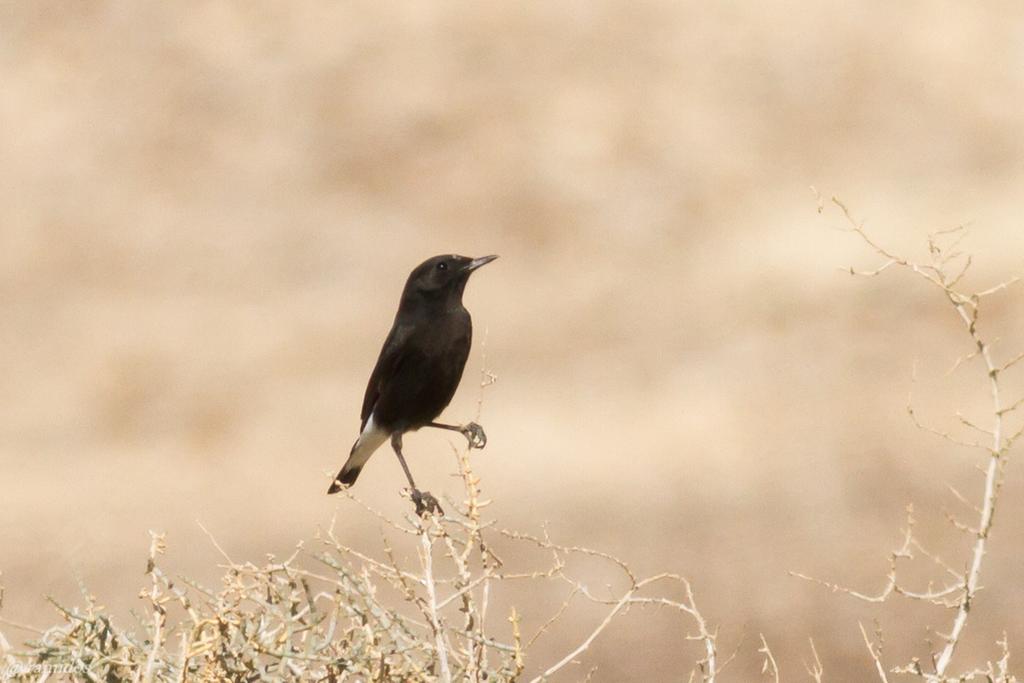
pixel 370 439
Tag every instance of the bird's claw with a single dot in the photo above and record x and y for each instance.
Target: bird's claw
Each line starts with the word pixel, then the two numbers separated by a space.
pixel 474 434
pixel 425 503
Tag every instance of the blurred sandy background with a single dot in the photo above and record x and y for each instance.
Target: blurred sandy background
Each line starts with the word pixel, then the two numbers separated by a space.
pixel 207 212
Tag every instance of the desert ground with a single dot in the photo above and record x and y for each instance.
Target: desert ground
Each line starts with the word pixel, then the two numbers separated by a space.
pixel 208 210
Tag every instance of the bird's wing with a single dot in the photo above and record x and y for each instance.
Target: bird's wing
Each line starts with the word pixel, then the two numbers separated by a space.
pixel 387 366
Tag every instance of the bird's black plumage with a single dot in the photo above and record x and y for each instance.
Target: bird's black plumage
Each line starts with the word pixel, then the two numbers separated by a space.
pixel 420 364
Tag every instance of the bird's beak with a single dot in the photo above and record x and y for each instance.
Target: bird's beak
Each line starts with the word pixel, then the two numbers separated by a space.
pixel 477 262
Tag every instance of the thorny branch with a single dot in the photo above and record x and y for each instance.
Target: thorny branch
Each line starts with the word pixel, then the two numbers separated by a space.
pixel 945 270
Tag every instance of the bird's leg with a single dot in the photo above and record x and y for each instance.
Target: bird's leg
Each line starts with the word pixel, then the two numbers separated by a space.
pixel 396 443
pixel 473 432
pixel 423 500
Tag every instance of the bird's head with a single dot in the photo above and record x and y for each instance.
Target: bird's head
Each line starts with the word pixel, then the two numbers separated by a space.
pixel 443 276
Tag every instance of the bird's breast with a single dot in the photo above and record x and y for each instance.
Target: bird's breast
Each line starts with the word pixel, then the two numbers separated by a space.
pixel 433 358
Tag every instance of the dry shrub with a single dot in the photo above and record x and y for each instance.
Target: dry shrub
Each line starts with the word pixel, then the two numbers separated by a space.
pixel 337 613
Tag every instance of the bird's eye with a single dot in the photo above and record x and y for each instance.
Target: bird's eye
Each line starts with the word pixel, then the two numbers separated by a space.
pixel 442 266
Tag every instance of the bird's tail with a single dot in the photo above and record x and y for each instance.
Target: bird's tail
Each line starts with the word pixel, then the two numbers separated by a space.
pixel 368 442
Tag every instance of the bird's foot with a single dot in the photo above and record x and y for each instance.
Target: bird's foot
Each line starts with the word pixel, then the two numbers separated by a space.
pixel 425 503
pixel 474 434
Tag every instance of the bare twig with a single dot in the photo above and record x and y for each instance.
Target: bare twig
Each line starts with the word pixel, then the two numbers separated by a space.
pixel 769 667
pixel 875 654
pixel 815 670
pixel 960 594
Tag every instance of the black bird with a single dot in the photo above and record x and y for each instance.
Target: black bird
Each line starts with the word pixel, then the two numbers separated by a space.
pixel 419 368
